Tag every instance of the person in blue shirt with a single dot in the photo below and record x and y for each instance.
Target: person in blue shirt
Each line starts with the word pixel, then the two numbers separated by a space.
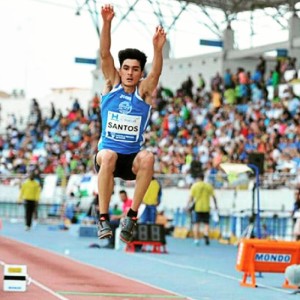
pixel 125 113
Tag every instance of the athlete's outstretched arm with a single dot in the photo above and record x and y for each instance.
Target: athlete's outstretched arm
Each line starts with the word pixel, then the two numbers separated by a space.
pixel 150 82
pixel 107 62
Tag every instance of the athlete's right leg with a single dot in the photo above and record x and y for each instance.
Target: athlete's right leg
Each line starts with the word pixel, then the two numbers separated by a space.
pixel 106 159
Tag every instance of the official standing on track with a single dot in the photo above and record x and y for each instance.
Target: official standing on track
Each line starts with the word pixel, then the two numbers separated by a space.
pixel 200 193
pixel 30 195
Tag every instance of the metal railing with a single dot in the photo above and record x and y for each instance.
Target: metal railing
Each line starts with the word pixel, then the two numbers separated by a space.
pixel 273 224
pixel 15 211
pixel 219 181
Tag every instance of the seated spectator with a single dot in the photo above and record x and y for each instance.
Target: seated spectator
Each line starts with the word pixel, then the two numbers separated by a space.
pixel 70 210
pixel 93 211
pixel 161 219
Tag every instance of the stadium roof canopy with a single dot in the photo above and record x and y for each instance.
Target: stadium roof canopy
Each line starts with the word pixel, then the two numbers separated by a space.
pixel 194 19
pixel 161 9
pixel 236 6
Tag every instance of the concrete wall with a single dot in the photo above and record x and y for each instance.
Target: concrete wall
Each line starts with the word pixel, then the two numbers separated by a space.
pixel 172 197
pixel 228 201
pixel 175 71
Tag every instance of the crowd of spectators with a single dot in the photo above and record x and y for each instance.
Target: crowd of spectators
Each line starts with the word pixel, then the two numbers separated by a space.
pixel 209 122
pixel 226 119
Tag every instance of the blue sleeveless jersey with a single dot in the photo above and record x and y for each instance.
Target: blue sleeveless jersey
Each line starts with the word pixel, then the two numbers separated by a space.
pixel 125 118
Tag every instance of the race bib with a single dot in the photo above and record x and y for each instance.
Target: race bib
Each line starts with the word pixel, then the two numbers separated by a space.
pixel 121 127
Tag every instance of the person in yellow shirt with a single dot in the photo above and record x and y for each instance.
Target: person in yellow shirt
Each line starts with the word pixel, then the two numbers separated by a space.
pixel 151 200
pixel 200 193
pixel 30 195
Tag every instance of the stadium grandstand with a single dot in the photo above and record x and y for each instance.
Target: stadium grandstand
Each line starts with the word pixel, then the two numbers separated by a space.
pixel 211 108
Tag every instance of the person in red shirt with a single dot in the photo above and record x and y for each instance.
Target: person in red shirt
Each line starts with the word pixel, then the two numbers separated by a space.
pixel 126 201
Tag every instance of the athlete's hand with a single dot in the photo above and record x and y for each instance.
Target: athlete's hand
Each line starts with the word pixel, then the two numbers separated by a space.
pixel 107 12
pixel 159 38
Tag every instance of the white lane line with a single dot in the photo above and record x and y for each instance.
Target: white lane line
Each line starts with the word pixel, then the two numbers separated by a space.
pixel 45 288
pixel 99 268
pixel 41 286
pixel 211 272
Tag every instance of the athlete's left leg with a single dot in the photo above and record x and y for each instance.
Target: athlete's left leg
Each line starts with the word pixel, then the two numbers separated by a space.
pixel 143 167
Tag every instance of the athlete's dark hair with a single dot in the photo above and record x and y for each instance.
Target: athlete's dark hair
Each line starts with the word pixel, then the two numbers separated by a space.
pixel 131 53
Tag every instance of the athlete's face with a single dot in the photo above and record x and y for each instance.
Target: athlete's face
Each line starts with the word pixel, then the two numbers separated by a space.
pixel 130 72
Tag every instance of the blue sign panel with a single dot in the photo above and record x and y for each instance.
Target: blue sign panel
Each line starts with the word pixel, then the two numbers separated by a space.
pixel 211 43
pixel 282 52
pixel 82 60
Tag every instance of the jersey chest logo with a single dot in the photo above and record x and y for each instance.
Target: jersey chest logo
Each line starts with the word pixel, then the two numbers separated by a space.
pixel 125 107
